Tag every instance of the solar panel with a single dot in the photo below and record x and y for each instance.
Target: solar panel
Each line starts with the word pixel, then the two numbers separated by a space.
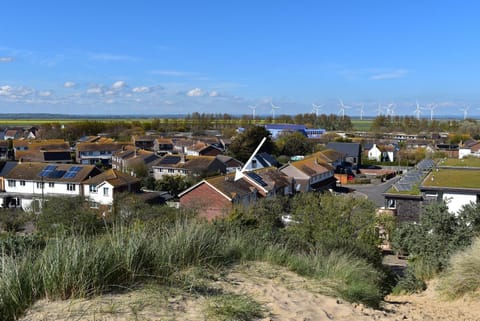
pixel 47 170
pixel 56 174
pixel 72 172
pixel 170 160
pixel 256 178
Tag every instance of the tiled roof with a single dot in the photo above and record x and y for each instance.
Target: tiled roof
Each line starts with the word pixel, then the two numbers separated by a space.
pixel 113 177
pixel 313 165
pixel 273 178
pixel 196 163
pixel 31 171
pixel 229 187
pixel 100 146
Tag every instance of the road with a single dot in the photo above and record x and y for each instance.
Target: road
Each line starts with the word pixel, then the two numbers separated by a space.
pixel 374 192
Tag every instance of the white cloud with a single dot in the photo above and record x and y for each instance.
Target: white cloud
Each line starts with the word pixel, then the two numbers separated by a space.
pixel 196 92
pixel 5 90
pixel 109 93
pixel 45 93
pixel 142 89
pixel 392 74
pixel 95 90
pixel 109 101
pixel 119 84
pixel 69 84
pixel 213 94
pixel 6 59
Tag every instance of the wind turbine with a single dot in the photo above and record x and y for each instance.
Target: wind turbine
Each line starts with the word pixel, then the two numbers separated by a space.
pixel 316 108
pixel 390 109
pixel 361 112
pixel 253 107
pixel 273 110
pixel 379 110
pixel 418 111
pixel 342 108
pixel 432 108
pixel 465 111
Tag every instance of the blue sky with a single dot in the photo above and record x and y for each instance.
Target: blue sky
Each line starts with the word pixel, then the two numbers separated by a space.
pixel 178 57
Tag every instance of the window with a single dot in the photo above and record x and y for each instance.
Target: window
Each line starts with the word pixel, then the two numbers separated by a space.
pixel 391 203
pixel 160 170
pixel 105 191
pixel 22 183
pixel 254 163
pixel 171 170
pixel 93 204
pixel 51 184
pixel 12 183
pixel 93 188
pixel 40 185
pixel 70 187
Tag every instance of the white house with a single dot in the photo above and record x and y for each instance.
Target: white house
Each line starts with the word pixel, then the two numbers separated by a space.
pixel 26 185
pixel 375 153
pixel 100 189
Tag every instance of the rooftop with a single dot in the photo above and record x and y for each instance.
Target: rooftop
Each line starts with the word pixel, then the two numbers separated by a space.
pixel 464 162
pixel 454 178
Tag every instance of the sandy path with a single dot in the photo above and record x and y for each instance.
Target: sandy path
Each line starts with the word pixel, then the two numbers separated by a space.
pixel 285 295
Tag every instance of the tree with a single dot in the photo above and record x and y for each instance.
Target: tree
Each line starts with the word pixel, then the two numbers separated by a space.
pixel 438 234
pixel 245 143
pixel 174 184
pixel 295 143
pixel 70 215
pixel 329 221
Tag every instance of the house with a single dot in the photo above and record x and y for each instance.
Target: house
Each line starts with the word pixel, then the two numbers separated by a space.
pixel 228 164
pixel 163 146
pixel 97 153
pixel 215 197
pixel 28 184
pixel 351 152
pixel 3 149
pixel 13 134
pixel 262 160
pixel 127 160
pixel 313 173
pixel 202 149
pixel 453 181
pixel 469 148
pixel 145 142
pixel 101 189
pixel 186 165
pixel 47 151
pixel 385 153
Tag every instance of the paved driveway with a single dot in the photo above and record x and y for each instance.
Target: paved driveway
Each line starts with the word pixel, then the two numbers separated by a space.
pixel 374 192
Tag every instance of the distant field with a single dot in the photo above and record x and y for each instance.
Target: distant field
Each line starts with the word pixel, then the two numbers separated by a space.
pixel 362 125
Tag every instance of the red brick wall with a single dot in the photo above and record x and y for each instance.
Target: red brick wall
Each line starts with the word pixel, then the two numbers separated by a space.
pixel 209 203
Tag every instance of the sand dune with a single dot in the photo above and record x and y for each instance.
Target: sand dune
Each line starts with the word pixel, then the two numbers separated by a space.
pixel 284 295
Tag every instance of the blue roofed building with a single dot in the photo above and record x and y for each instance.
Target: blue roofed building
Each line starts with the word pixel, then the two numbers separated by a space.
pixel 277 129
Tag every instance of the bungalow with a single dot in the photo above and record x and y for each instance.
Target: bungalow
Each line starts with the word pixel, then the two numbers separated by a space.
pixel 183 165
pixel 146 142
pixel 214 197
pixel 312 173
pixel 163 146
pixel 262 160
pixel 47 151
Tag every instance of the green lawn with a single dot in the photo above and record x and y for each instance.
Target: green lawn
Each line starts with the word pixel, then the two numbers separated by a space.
pixel 362 125
pixel 457 178
pixel 466 162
